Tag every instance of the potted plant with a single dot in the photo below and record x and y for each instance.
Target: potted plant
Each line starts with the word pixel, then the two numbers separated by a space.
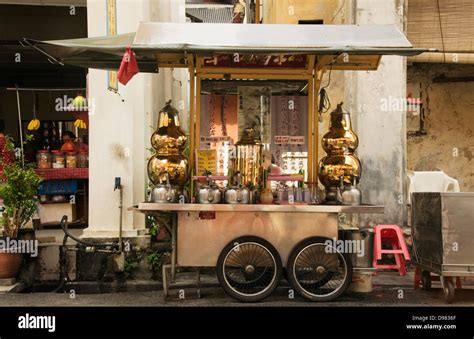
pixel 18 188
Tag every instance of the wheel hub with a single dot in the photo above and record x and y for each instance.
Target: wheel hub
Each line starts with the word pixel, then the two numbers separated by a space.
pixel 320 270
pixel 249 269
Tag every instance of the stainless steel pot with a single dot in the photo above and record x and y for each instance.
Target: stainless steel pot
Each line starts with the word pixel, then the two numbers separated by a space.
pixel 351 195
pixel 164 193
pixel 209 194
pixel 237 195
pixel 364 240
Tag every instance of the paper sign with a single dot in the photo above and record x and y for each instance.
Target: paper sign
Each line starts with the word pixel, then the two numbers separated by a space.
pixel 206 160
pixel 289 140
pixel 209 140
pixel 296 140
pixel 282 139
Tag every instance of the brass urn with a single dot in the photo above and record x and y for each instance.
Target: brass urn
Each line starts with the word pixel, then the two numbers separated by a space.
pixel 340 165
pixel 169 141
pixel 249 158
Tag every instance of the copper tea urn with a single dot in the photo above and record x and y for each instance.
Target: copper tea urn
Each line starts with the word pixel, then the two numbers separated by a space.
pixel 340 165
pixel 169 142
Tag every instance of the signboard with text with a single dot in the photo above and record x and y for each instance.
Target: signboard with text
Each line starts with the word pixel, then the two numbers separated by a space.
pixel 112 81
pixel 206 161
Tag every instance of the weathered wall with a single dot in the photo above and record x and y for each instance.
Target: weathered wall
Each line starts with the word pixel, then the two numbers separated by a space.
pixel 381 131
pixel 449 122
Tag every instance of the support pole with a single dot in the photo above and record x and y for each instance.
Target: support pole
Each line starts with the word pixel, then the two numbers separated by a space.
pixel 310 142
pixel 20 125
pixel 192 108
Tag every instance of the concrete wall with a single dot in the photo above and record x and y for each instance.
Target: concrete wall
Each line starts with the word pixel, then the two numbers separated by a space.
pixel 449 122
pixel 382 132
pixel 122 124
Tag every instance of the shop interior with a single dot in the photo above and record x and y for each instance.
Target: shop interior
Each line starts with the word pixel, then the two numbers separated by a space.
pixel 41 106
pixel 275 110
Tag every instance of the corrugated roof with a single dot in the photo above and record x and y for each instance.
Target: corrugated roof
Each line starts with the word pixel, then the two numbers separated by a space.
pixel 214 14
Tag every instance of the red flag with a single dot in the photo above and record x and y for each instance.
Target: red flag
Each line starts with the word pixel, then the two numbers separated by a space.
pixel 128 67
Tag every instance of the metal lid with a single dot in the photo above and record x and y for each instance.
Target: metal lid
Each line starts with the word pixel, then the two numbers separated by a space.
pixel 340 109
pixel 168 108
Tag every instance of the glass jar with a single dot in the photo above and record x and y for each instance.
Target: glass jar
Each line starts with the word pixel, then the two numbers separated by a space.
pixel 59 160
pixel 71 160
pixel 82 159
pixel 43 159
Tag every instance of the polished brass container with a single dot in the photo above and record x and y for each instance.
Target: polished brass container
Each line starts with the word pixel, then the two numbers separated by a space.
pixel 249 158
pixel 169 142
pixel 339 143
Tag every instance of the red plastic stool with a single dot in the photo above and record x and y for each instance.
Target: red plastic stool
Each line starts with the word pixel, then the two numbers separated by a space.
pixel 393 236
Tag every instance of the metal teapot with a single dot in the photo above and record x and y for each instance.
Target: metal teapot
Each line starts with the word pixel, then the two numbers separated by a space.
pixel 237 194
pixel 350 195
pixel 209 194
pixel 164 193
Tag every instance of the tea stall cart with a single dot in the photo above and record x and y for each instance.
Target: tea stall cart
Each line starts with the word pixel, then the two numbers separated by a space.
pixel 250 245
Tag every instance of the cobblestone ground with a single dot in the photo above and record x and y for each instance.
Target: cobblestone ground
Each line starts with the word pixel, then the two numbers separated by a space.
pixel 389 290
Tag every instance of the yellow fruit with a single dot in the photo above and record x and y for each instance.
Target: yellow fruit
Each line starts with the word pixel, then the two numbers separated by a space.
pixel 33 125
pixel 79 102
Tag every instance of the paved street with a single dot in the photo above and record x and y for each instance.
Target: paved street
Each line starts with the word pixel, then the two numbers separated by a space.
pixel 387 292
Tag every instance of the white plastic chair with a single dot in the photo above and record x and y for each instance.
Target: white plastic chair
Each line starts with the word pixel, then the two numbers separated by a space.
pixel 430 181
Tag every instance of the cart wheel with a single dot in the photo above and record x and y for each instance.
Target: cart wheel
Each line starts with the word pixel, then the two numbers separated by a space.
pixel 426 280
pixel 249 269
pixel 316 273
pixel 448 289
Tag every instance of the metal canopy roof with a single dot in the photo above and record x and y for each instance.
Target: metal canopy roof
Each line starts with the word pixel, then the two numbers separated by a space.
pixel 154 39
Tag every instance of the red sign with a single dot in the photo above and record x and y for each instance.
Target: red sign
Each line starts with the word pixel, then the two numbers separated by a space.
pixel 207 215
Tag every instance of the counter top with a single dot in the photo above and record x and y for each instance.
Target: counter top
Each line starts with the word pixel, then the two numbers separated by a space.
pixel 146 207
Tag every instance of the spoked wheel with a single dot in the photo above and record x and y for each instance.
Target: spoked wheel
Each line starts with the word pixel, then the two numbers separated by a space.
pixel 249 269
pixel 318 272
